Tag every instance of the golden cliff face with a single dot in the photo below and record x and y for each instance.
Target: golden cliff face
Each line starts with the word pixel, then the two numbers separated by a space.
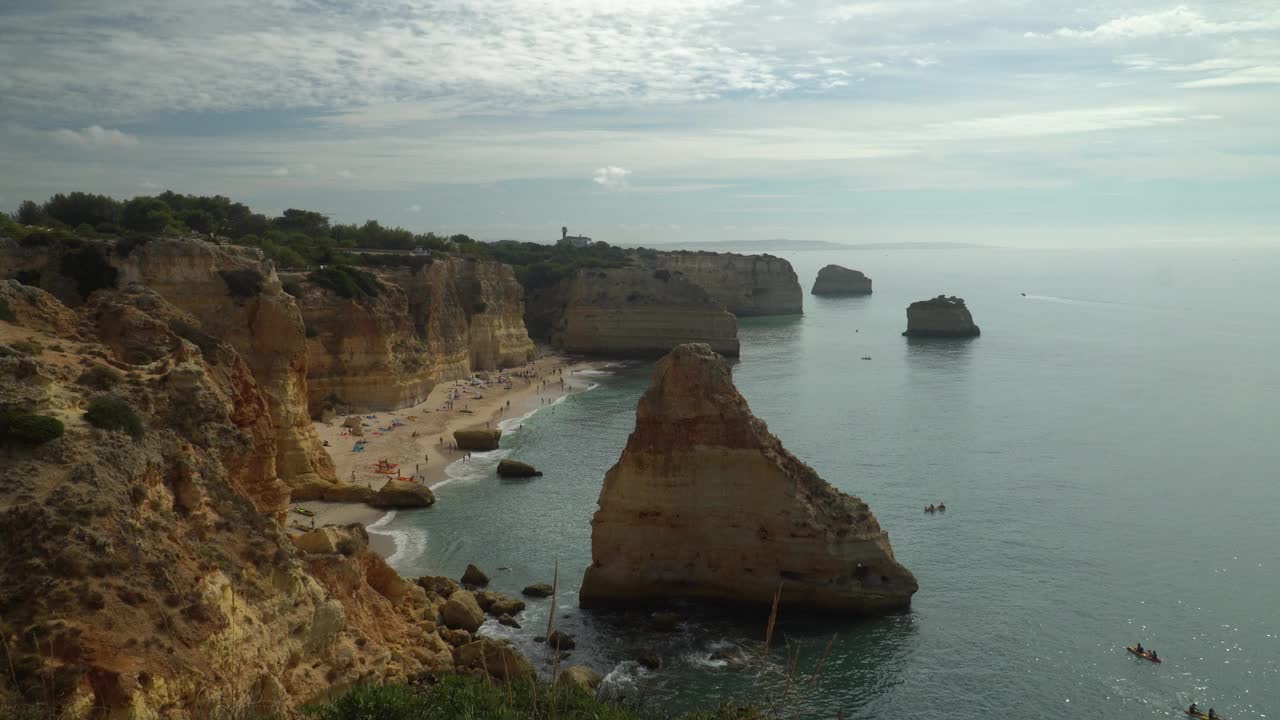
pixel 438 323
pixel 705 503
pixel 745 285
pixel 148 577
pixel 632 312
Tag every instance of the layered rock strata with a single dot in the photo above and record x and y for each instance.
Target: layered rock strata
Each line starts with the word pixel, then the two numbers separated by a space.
pixel 705 503
pixel 745 285
pixel 837 280
pixel 940 317
pixel 632 312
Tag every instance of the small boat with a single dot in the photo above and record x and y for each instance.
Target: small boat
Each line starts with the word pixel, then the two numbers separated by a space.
pixel 304 511
pixel 1202 716
pixel 1142 654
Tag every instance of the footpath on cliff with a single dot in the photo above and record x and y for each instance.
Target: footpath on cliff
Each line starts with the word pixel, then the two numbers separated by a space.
pixel 422 447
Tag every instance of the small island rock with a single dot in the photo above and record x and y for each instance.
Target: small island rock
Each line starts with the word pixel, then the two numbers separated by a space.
pixel 837 280
pixel 516 469
pixel 561 641
pixel 477 440
pixel 940 317
pixel 538 590
pixel 474 576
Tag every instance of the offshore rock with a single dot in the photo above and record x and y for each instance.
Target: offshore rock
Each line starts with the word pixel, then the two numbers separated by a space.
pixel 705 503
pixel 516 469
pixel 397 494
pixel 745 285
pixel 630 312
pixel 477 440
pixel 940 317
pixel 837 280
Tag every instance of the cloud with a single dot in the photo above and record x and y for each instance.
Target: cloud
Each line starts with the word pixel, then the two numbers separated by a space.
pixel 280 171
pixel 95 136
pixel 149 185
pixel 1177 21
pixel 346 174
pixel 415 208
pixel 611 177
pixel 1247 76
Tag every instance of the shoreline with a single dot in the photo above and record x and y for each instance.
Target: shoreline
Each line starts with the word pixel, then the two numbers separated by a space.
pixel 422 446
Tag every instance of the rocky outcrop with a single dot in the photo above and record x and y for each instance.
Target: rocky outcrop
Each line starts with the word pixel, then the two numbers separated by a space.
pixel 631 312
pixel 496 658
pixel 462 612
pixel 516 469
pixel 837 280
pixel 477 440
pixel 396 494
pixel 148 576
pixel 745 285
pixel 705 503
pixel 437 323
pixel 940 317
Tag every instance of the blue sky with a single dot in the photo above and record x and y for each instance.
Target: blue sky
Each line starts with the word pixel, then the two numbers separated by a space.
pixel 1005 121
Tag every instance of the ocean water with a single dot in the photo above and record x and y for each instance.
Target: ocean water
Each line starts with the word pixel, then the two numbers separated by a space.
pixel 1108 449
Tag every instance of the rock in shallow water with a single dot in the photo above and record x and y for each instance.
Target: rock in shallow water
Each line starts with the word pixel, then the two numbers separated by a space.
pixel 537 590
pixel 474 576
pixel 837 280
pixel 477 440
pixel 705 503
pixel 940 317
pixel 516 469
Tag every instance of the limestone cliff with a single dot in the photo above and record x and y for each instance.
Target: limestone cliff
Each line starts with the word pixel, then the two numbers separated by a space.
pixel 146 576
pixel 705 503
pixel 745 285
pixel 440 322
pixel 632 311
pixel 838 280
pixel 940 317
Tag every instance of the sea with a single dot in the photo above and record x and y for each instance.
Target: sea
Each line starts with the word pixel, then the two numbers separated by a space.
pixel 1108 451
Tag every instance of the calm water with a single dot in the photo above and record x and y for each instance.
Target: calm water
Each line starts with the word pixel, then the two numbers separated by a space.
pixel 1108 451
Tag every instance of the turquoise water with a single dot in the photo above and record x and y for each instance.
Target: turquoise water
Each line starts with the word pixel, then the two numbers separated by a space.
pixel 1108 451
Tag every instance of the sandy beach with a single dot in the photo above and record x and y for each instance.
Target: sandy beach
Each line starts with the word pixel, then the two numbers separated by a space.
pixel 421 443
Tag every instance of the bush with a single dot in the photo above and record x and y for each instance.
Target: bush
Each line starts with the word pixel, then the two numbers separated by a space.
pixel 112 413
pixel 346 282
pixel 242 283
pixel 27 347
pixel 30 429
pixel 100 377
pixel 6 312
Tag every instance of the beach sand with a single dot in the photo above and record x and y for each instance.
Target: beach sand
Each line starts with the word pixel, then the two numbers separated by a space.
pixel 426 456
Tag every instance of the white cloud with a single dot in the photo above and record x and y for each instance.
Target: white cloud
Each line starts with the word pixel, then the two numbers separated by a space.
pixel 1248 76
pixel 95 136
pixel 415 208
pixel 611 177
pixel 280 171
pixel 149 185
pixel 346 174
pixel 1177 21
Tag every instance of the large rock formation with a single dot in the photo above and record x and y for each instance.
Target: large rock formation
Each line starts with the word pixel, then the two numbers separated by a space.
pixel 148 577
pixel 940 317
pixel 837 280
pixel 745 285
pixel 631 312
pixel 706 503
pixel 440 322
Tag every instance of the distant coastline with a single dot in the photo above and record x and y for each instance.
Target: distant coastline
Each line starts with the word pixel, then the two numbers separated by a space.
pixel 755 246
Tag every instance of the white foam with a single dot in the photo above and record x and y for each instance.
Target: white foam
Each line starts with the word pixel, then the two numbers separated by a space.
pixel 409 544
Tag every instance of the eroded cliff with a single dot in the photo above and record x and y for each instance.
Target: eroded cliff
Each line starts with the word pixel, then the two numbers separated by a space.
pixel 745 285
pixel 705 503
pixel 632 311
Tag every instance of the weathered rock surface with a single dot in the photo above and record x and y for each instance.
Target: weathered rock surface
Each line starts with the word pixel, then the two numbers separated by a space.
pixel 473 575
pixel 397 494
pixel 705 503
pixel 462 612
pixel 837 280
pixel 506 606
pixel 516 469
pixel 495 657
pixel 745 285
pixel 538 590
pixel 940 317
pixel 477 440
pixel 561 641
pixel 332 540
pixel 581 676
pixel 630 312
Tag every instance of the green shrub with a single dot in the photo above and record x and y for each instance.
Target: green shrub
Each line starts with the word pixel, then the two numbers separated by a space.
pixel 242 283
pixel 26 347
pixel 30 429
pixel 100 377
pixel 112 413
pixel 346 281
pixel 6 312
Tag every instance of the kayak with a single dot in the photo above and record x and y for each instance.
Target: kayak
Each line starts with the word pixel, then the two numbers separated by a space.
pixel 304 511
pixel 1144 655
pixel 1202 716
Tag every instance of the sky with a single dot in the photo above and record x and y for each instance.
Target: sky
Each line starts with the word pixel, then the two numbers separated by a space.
pixel 1014 122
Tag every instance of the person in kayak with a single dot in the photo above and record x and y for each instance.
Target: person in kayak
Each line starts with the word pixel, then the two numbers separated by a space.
pixel 1140 650
pixel 1212 715
pixel 1154 656
pixel 1192 709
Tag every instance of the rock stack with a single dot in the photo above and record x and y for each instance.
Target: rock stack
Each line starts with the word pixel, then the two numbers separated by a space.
pixel 837 280
pixel 940 317
pixel 706 503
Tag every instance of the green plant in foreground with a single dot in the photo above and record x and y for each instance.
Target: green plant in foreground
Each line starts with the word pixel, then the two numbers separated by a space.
pixel 112 413
pixel 28 428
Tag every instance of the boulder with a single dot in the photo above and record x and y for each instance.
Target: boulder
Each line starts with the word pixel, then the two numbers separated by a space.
pixel 538 590
pixel 353 421
pixel 516 469
pixel 940 317
pixel 474 576
pixel 396 494
pixel 560 641
pixel 506 606
pixel 497 658
pixel 461 612
pixel 837 280
pixel 486 598
pixel 700 480
pixel 455 638
pixel 508 621
pixel 477 440
pixel 650 661
pixel 333 540
pixel 438 585
pixel 580 676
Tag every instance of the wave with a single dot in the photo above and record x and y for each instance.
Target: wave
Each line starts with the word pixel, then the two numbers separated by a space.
pixel 409 544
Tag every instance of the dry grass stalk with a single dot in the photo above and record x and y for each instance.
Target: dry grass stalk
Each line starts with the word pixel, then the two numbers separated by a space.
pixel 813 679
pixel 773 619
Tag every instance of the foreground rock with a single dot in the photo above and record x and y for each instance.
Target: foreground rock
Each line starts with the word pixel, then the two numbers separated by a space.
pixel 462 612
pixel 396 494
pixel 516 469
pixel 477 440
pixel 706 503
pixel 496 658
pixel 837 280
pixel 583 677
pixel 474 576
pixel 538 590
pixel 940 317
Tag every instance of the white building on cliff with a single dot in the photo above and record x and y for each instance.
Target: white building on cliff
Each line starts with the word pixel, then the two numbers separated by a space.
pixel 573 240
